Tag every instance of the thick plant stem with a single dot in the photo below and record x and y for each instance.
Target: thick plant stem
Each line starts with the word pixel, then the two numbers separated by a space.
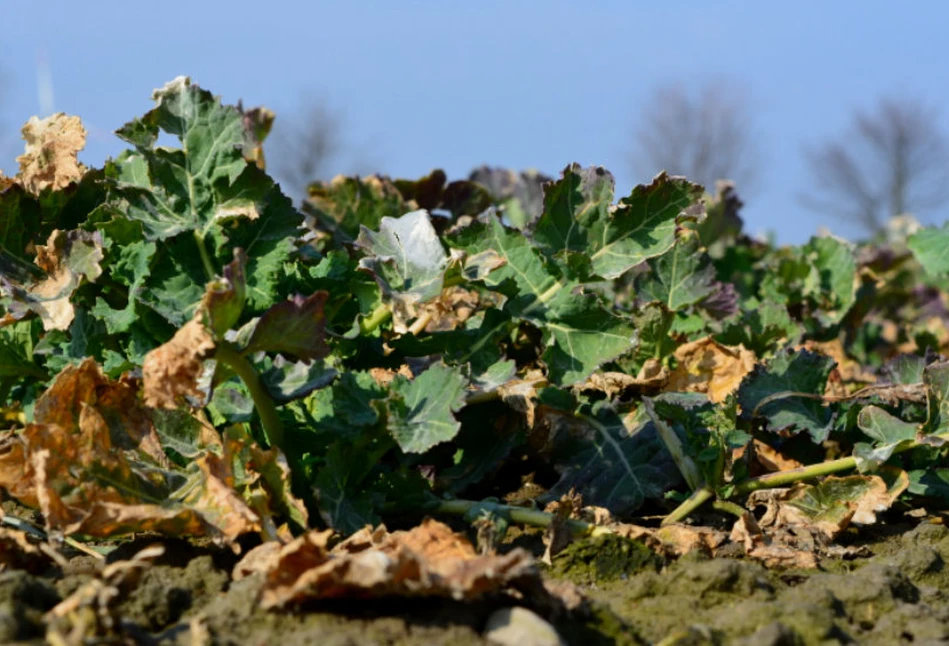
pixel 698 498
pixel 205 258
pixel 519 515
pixel 227 354
pixel 791 476
pixel 729 508
pixel 378 316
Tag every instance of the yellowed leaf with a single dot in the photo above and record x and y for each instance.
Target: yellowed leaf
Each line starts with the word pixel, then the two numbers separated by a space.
pixel 706 366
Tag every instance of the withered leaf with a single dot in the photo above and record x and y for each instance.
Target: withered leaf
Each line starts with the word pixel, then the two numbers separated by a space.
pixel 92 462
pixel 172 371
pixel 50 158
pixel 707 366
pixel 429 560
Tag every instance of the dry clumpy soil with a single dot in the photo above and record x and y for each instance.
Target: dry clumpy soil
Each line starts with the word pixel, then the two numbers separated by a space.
pixel 898 595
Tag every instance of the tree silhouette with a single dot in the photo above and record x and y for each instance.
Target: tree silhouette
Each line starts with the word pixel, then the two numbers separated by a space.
pixel 892 161
pixel 704 135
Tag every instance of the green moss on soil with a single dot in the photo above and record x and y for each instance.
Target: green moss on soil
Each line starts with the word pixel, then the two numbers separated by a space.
pixel 604 558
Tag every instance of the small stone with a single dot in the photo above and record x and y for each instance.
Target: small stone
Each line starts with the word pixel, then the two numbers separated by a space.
pixel 520 627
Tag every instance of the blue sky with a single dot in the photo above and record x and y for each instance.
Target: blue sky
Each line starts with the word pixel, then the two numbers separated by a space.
pixel 518 84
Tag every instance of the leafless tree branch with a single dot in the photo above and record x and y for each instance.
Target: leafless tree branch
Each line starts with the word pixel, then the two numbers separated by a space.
pixel 306 146
pixel 894 160
pixel 704 135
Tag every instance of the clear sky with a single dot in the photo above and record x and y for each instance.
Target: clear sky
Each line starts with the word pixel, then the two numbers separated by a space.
pixel 451 84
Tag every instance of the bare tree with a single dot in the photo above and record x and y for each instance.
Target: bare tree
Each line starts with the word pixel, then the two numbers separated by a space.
pixel 306 146
pixel 894 160
pixel 705 135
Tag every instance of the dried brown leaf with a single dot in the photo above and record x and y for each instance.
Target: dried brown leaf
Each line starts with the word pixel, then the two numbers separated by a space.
pixel 452 308
pixel 429 560
pixel 652 377
pixel 50 158
pixel 172 371
pixel 93 464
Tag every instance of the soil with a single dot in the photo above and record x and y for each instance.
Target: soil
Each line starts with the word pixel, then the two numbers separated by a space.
pixel 898 594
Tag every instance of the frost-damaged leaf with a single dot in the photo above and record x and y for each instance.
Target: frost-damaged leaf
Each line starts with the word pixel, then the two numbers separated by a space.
pixel 771 391
pixel 830 507
pixel 173 370
pixel 428 561
pixel 66 259
pixel 613 462
pixel 50 159
pixel 931 248
pixel 295 327
pixel 194 188
pixel 407 260
pixel 580 227
pixel 889 433
pixel 680 277
pixel 420 411
pixel 93 464
pixel 706 366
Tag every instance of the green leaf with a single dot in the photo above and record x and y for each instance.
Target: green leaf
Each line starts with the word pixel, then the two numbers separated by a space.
pixel 888 432
pixel 170 191
pixel 611 464
pixel 129 266
pixel 931 248
pixel 346 409
pixel 421 410
pixel 581 228
pixel 345 502
pixel 773 390
pixel 586 335
pixel 268 240
pixel 346 203
pixel 16 352
pixel 833 259
pixel 580 334
pixel 932 483
pixel 286 381
pixel 679 278
pixel 295 327
pixel 223 299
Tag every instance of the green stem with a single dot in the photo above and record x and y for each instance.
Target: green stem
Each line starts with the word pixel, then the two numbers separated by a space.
pixel 791 476
pixel 378 316
pixel 205 258
pixel 519 515
pixel 228 355
pixel 698 498
pixel 729 508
